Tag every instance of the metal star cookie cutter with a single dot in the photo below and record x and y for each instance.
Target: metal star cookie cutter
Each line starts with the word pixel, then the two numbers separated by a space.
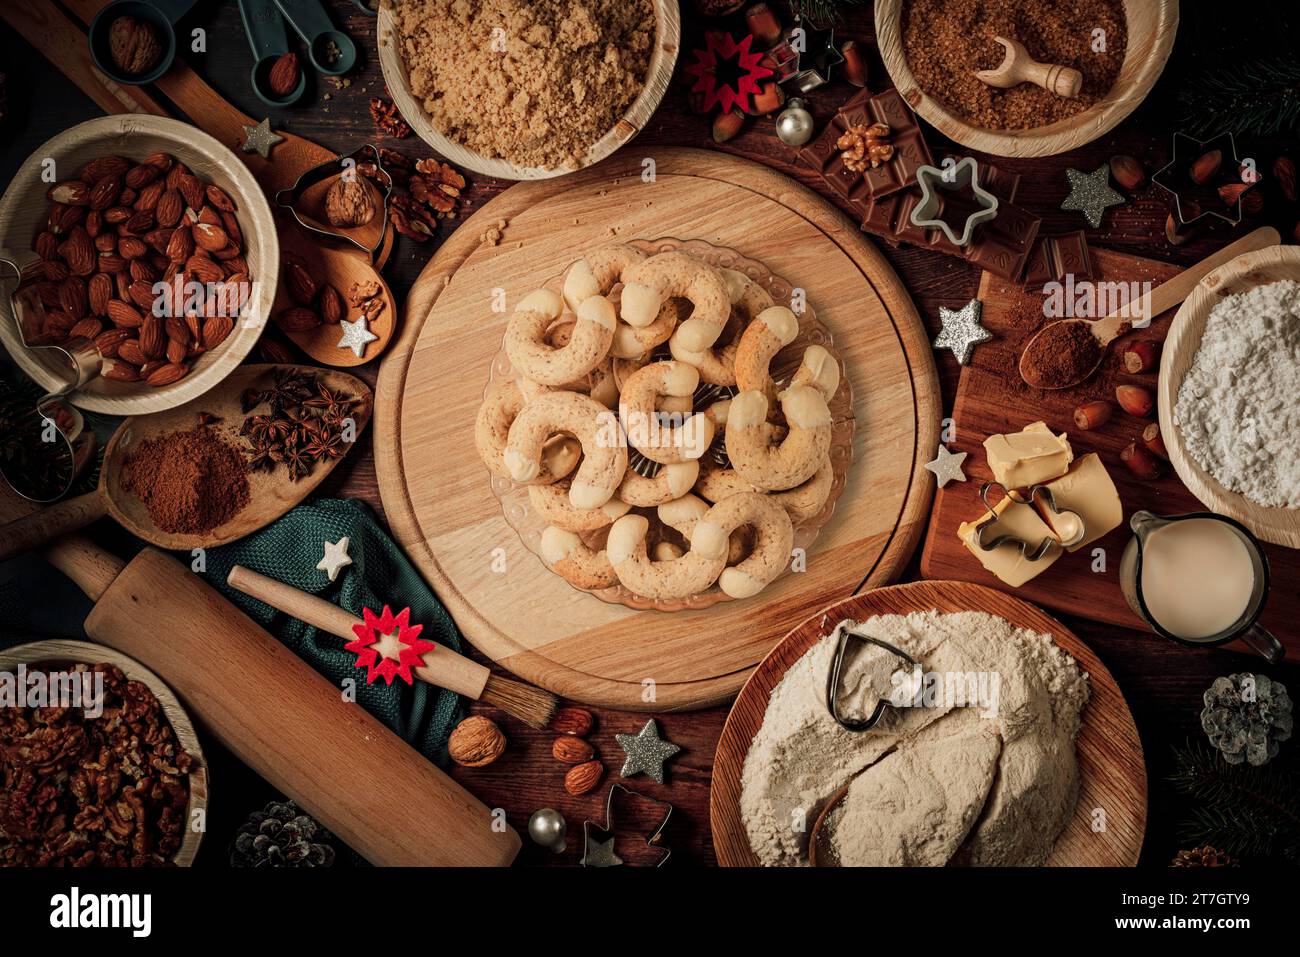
pixel 933 181
pixel 837 666
pixel 80 357
pixel 290 197
pixel 1186 149
pixel 607 829
pixel 790 60
pixel 1032 552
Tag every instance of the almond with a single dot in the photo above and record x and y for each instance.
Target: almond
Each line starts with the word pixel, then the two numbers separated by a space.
pixel 178 329
pixel 192 189
pixel 140 223
pixel 141 293
pixel 284 75
pixel 106 243
pixel 215 331
pixel 167 374
pixel 71 192
pixel 297 319
pixel 97 169
pixel 120 314
pixel 120 372
pixel 137 177
pixel 1136 400
pixel 111 262
pixel 62 218
pixel 94 223
pixel 330 305
pixel 577 721
pixel 152 341
pixel 219 198
pixel 147 200
pixel 105 192
pixel 210 216
pixel 46 245
pixel 116 215
pixel 129 351
pixel 181 246
pixel 129 247
pixel 572 750
pixel 210 237
pixel 302 288
pixel 108 341
pixel 86 329
pixel 78 251
pixel 161 161
pixel 99 290
pixel 169 209
pixel 1205 167
pixel 583 778
pixel 231 226
pixel 177 351
pixel 1128 172
pixel 141 270
pixel 203 268
pixel 72 296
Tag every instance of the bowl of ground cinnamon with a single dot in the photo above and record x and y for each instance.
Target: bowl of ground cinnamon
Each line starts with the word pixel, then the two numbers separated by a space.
pixel 933 48
pixel 527 89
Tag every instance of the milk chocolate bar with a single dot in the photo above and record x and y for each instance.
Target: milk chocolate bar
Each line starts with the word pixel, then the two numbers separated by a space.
pixel 1056 256
pixel 898 173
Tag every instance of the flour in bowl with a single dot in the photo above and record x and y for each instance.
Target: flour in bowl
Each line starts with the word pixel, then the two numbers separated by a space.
pixel 938 784
pixel 1238 408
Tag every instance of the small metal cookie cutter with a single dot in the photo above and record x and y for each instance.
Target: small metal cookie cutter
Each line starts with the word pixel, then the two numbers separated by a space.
pixel 80 357
pixel 1030 550
pixel 655 840
pixel 290 197
pixel 847 629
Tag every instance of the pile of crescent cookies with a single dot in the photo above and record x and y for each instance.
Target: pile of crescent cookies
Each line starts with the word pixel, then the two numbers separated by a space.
pixel 637 486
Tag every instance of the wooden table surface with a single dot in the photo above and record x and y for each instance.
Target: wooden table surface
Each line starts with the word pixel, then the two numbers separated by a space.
pixel 1163 682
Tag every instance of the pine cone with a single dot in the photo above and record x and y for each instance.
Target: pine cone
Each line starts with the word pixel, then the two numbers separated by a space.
pixel 280 835
pixel 1206 856
pixel 1246 717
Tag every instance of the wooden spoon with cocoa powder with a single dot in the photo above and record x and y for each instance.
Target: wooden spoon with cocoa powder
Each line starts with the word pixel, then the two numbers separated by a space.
pixel 1064 353
pixel 270 493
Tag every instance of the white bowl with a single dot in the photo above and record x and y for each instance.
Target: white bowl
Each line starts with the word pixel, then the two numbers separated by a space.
pixel 23 211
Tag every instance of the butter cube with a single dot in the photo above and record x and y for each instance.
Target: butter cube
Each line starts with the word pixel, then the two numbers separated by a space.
pixel 1006 561
pixel 1087 489
pixel 1029 457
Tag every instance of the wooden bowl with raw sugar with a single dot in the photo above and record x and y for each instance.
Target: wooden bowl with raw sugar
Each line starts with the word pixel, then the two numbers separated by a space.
pixel 60 653
pixel 659 74
pixel 1151 28
pixel 23 212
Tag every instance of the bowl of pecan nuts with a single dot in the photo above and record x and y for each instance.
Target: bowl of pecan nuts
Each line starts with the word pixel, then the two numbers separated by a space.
pixel 99 763
pixel 146 248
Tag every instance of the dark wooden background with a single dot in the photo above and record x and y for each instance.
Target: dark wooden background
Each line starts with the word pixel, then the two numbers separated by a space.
pixel 1162 682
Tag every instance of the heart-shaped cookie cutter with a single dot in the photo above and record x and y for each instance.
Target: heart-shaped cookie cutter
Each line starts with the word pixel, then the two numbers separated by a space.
pixel 845 630
pixel 1032 551
pixel 290 197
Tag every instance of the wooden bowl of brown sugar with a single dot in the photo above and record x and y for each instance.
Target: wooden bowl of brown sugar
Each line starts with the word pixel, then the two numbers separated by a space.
pixel 509 105
pixel 931 50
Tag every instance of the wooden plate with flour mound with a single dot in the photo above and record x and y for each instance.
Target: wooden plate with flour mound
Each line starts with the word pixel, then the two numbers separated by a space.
pixel 1109 819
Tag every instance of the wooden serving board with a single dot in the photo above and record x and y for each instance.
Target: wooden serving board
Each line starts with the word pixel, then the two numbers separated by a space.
pixel 992 398
pixel 436 492
pixel 1112 775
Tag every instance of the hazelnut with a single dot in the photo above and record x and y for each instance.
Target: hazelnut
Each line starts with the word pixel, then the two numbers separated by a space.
pixel 349 202
pixel 1140 461
pixel 1093 415
pixel 476 742
pixel 1154 441
pixel 1136 400
pixel 133 45
pixel 1141 356
pixel 1128 172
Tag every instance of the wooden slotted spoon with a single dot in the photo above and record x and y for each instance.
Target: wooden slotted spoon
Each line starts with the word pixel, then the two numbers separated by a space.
pixel 271 493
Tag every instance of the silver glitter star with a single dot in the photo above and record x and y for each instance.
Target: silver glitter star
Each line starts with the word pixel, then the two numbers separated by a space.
pixel 355 336
pixel 646 751
pixel 961 330
pixel 947 466
pixel 259 139
pixel 1090 193
pixel 600 854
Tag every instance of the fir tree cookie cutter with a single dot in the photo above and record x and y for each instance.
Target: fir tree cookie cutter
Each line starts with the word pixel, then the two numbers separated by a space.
pixel 845 630
pixel 600 853
pixel 1032 551
pixel 934 182
pixel 291 199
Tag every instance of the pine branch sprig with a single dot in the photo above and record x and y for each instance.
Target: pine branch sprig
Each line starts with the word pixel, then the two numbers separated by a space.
pixel 1260 97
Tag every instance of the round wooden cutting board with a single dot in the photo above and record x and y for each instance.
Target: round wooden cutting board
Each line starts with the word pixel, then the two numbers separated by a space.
pixel 436 492
pixel 1112 775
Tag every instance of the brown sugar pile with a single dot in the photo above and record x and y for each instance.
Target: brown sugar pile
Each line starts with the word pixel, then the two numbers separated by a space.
pixel 534 82
pixel 191 482
pixel 946 41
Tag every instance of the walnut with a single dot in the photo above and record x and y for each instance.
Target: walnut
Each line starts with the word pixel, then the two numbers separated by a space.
pixel 350 202
pixel 476 742
pixel 863 147
pixel 134 45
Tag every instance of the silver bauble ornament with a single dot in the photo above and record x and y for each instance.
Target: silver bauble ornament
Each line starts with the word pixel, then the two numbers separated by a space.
pixel 795 123
pixel 547 828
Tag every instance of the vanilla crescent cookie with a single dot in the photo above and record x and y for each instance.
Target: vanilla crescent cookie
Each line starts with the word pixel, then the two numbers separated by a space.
pixel 551 502
pixel 632 341
pixel 649 283
pixel 773 540
pixel 680 577
pixel 819 370
pixel 681 514
pixel 596 273
pixel 588 345
pixel 576 562
pixel 771 331
pixel 604 449
pixel 803 502
pixel 598 383
pixel 492 427
pixel 798 456
pixel 670 482
pixel 661 442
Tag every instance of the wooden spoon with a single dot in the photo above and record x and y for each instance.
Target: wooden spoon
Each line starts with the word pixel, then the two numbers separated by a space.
pixel 821 852
pixel 1161 299
pixel 1019 67
pixel 271 493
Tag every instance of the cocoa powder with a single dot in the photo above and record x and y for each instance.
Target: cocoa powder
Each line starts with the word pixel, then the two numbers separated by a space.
pixel 190 482
pixel 1062 353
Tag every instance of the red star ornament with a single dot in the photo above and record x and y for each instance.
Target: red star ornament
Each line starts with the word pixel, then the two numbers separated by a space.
pixel 722 54
pixel 379 635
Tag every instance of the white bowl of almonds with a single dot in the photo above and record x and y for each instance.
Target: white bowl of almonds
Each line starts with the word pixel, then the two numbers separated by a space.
pixel 148 238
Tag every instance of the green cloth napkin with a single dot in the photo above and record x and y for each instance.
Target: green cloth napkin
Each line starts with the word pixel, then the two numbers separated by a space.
pixel 379 575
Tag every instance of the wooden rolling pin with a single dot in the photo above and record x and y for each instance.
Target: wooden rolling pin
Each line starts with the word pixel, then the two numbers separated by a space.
pixel 281 718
